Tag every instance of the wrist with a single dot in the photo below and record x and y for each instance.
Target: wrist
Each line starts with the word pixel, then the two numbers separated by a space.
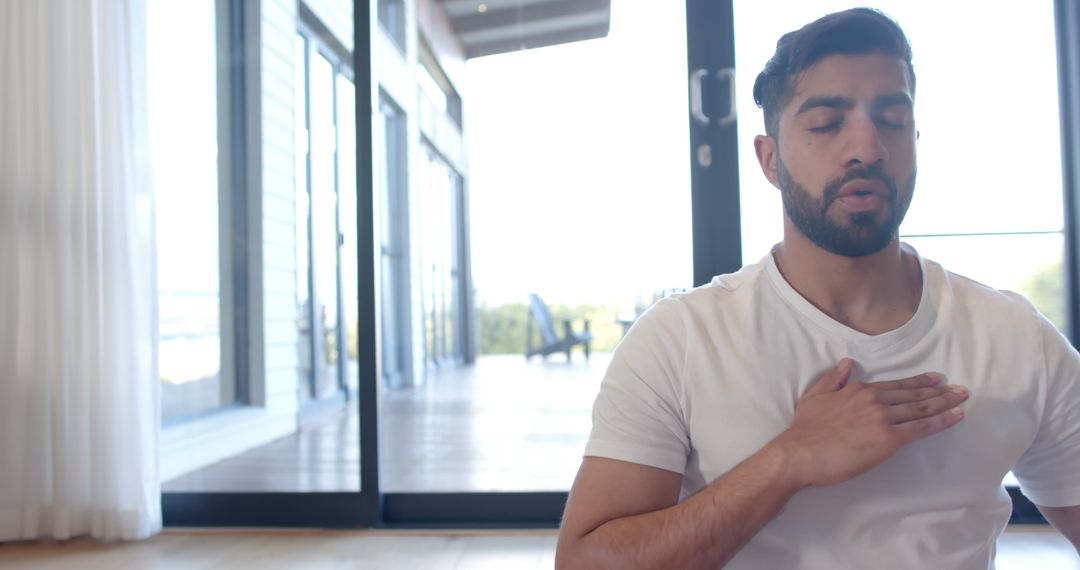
pixel 790 464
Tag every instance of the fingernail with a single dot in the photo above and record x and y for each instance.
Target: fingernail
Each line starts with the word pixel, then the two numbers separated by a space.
pixel 936 377
pixel 845 364
pixel 957 412
pixel 958 390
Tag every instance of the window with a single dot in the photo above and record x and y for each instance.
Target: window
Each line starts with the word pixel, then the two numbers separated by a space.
pixel 326 254
pixel 441 257
pixel 988 201
pixel 437 87
pixel 182 53
pixel 391 197
pixel 392 19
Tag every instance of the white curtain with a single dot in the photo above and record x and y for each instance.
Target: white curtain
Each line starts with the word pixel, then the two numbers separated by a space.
pixel 79 395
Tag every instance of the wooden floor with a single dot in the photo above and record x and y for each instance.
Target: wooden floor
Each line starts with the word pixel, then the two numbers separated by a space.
pixel 503 424
pixel 1021 548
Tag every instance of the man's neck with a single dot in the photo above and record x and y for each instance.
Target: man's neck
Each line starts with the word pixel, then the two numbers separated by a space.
pixel 873 294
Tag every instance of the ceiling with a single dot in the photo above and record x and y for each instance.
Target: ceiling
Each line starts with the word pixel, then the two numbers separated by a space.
pixel 487 27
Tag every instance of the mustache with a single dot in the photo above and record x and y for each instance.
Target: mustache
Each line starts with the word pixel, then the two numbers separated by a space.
pixel 832 189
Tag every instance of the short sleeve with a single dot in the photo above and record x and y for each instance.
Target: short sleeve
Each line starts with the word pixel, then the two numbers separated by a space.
pixel 637 416
pixel 1049 471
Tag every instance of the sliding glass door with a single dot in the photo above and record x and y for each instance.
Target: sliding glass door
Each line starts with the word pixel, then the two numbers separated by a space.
pixel 550 203
pixel 448 237
pixel 285 448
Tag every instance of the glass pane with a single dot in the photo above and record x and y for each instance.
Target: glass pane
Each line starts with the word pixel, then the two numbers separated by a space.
pixel 350 286
pixel 324 212
pixel 304 322
pixel 299 432
pixel 979 167
pixel 182 75
pixel 393 267
pixel 570 181
pixel 392 18
pixel 440 258
pixel 431 90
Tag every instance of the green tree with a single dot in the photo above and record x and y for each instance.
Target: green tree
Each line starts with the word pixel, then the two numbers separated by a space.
pixel 501 329
pixel 1046 289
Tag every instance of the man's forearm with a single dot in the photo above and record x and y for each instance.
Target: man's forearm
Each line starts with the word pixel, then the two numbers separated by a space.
pixel 704 531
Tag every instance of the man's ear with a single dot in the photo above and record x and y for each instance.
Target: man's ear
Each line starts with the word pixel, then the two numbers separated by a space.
pixel 765 147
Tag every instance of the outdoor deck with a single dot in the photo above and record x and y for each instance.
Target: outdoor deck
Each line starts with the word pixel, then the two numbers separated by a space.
pixel 502 425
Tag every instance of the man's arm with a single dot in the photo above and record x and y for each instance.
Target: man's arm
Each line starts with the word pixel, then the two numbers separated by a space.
pixel 623 515
pixel 1066 520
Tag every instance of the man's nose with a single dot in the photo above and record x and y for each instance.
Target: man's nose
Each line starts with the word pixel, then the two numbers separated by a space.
pixel 864 144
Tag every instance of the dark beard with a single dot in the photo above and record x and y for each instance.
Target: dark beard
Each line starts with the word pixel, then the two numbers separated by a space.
pixel 864 234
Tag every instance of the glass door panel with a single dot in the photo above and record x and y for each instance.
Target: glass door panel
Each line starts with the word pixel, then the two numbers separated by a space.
pixel 440 256
pixel 350 285
pixel 576 189
pixel 305 346
pixel 325 232
pixel 390 196
pixel 986 196
pixel 297 432
pixel 194 377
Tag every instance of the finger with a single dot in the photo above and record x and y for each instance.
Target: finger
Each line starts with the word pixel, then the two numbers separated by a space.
pixel 901 396
pixel 920 381
pixel 901 413
pixel 834 379
pixel 919 429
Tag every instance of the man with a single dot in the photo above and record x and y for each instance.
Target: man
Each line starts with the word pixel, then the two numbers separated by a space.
pixel 843 403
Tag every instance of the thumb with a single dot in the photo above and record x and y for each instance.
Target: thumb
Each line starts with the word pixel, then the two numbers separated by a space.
pixel 834 379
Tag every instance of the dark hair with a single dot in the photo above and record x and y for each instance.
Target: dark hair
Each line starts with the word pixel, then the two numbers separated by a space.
pixel 854 31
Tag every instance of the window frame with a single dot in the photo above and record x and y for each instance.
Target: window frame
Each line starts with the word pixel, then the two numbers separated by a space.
pixel 319 41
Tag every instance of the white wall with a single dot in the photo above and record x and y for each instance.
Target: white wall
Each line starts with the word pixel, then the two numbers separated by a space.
pixel 278 242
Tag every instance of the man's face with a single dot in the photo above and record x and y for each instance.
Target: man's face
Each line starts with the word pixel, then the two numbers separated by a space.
pixel 844 155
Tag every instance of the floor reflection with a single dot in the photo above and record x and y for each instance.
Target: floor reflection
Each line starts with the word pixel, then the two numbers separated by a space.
pixel 503 424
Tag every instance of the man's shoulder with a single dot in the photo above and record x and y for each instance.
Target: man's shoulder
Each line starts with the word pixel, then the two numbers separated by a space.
pixel 722 297
pixel 978 297
pixel 727 287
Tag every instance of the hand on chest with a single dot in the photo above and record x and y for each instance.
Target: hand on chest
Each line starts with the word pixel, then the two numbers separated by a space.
pixel 738 402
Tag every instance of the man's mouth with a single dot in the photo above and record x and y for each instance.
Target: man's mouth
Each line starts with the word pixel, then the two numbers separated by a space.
pixel 863 195
pixel 863 187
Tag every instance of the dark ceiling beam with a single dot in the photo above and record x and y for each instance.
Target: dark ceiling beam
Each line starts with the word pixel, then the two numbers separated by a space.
pixel 529 42
pixel 506 17
pixel 488 27
pixel 457 8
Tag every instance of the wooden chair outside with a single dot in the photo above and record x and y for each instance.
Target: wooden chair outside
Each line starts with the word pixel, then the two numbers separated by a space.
pixel 550 340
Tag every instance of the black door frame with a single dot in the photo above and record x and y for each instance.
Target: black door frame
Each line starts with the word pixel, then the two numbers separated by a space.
pixel 717 249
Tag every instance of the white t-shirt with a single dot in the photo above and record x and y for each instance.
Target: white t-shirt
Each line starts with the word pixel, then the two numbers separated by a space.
pixel 705 379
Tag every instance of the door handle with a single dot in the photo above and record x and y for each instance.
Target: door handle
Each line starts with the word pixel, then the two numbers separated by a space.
pixel 697 110
pixel 728 73
pixel 697 107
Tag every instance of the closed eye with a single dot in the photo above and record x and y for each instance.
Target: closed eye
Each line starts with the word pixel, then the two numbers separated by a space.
pixel 895 118
pixel 891 125
pixel 825 128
